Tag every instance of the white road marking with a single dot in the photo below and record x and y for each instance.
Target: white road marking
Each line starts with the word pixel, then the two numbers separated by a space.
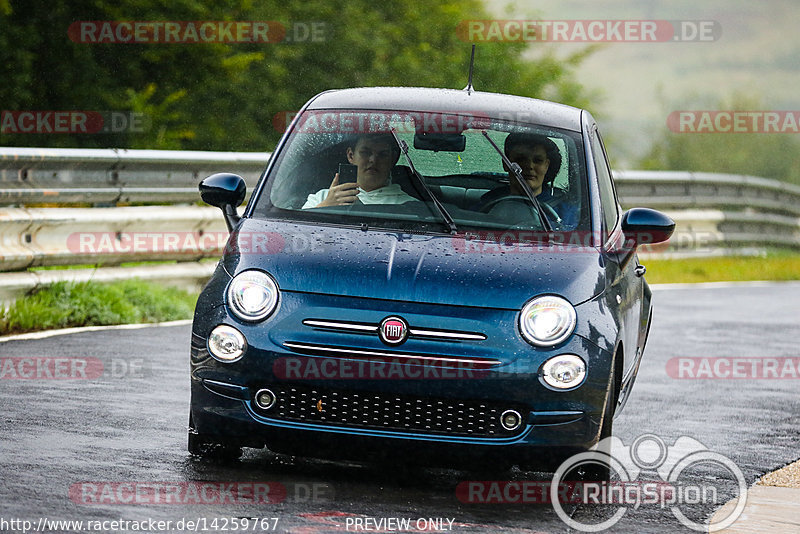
pixel 76 330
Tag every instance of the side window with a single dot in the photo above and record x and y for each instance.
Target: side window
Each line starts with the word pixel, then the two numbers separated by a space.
pixel 608 199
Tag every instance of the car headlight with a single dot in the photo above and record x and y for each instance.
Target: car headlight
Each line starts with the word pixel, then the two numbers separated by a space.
pixel 252 295
pixel 547 321
pixel 226 344
pixel 564 371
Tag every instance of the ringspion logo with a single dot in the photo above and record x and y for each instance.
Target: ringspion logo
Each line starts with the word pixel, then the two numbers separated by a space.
pixel 680 488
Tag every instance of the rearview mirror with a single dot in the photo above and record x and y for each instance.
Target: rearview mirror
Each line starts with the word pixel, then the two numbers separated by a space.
pixel 440 142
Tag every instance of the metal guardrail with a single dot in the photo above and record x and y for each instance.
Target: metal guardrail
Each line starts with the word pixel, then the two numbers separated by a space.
pixel 108 176
pixel 111 176
pixel 707 232
pixel 36 237
pixel 712 212
pixel 701 190
pixel 187 275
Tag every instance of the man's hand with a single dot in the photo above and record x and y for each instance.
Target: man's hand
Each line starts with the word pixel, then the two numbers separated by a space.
pixel 340 194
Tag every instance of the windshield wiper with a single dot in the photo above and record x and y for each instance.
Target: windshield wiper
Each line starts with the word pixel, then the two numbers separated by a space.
pixel 443 212
pixel 517 172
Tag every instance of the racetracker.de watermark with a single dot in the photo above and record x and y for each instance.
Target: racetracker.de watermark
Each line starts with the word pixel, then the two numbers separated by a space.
pixel 734 121
pixel 734 368
pixel 525 242
pixel 191 243
pixel 185 493
pixel 192 493
pixel 72 122
pixel 578 242
pixel 411 368
pixel 366 122
pixel 198 31
pixel 70 368
pixel 516 492
pixel 589 31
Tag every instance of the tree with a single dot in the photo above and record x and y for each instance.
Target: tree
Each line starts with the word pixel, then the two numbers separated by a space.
pixel 224 96
pixel 756 154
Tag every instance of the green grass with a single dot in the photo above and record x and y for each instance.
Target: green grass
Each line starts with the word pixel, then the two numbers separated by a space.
pixel 68 304
pixel 775 266
pixel 98 265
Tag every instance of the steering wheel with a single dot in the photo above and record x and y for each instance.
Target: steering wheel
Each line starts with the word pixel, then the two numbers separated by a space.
pixel 512 198
pixel 548 212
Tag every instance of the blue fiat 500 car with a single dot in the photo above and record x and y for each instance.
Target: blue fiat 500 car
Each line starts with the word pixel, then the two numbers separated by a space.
pixel 433 274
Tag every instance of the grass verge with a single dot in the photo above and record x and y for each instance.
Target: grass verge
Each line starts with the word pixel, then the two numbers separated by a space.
pixel 776 266
pixel 69 304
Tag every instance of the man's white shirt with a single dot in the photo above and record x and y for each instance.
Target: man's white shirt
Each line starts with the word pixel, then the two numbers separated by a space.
pixel 389 194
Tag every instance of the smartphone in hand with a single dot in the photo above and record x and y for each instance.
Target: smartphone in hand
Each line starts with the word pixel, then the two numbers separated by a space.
pixel 347 173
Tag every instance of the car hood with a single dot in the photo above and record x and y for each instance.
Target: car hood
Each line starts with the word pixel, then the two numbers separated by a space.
pixel 435 269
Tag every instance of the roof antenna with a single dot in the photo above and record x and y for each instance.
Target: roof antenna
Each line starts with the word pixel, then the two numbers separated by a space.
pixel 468 88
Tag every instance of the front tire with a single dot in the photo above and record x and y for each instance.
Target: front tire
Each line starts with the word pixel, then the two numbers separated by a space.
pixel 600 471
pixel 206 447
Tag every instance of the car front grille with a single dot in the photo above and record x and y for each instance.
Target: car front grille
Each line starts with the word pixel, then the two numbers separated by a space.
pixel 388 412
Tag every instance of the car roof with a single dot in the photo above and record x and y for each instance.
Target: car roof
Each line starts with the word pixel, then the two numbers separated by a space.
pixel 425 99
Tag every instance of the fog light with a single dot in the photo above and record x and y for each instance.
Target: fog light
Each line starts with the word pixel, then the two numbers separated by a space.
pixel 265 399
pixel 565 371
pixel 511 420
pixel 226 344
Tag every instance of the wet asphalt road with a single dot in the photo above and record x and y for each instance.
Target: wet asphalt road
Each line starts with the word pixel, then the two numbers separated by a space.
pixel 65 442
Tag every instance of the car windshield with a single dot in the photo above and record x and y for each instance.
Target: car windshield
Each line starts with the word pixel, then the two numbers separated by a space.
pixel 448 156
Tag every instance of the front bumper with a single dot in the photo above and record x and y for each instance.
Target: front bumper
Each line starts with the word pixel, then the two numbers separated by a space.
pixel 442 409
pixel 544 438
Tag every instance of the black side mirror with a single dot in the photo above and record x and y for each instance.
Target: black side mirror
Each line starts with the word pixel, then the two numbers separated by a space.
pixel 225 191
pixel 645 226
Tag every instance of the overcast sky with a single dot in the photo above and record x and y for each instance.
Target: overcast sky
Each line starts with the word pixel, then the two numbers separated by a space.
pixel 757 53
